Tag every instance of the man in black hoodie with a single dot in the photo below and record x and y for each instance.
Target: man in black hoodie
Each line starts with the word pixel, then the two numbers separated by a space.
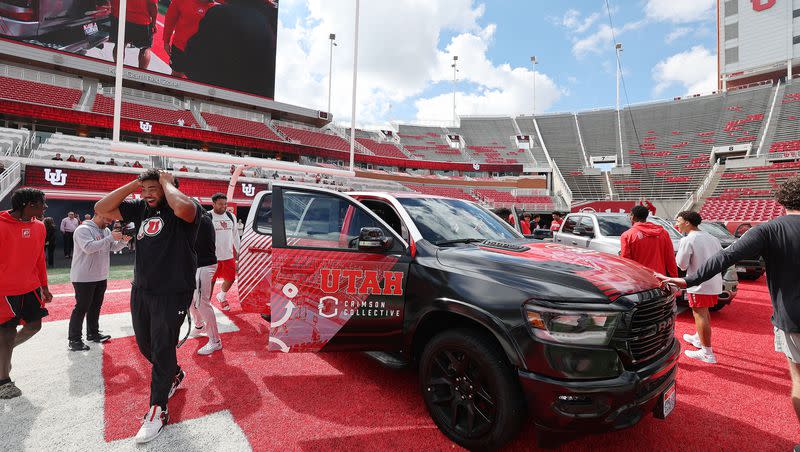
pixel 234 47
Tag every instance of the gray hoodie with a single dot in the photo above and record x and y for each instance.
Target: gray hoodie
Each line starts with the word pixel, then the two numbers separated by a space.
pixel 91 257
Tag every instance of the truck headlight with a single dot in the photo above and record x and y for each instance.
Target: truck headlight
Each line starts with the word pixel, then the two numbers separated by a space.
pixel 571 327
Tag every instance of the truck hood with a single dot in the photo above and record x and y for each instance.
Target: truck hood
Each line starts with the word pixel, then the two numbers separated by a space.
pixel 553 271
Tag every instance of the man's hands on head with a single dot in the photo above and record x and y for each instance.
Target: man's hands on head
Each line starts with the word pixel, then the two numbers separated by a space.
pixel 166 178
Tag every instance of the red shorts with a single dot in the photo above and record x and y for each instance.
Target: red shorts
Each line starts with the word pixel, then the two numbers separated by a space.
pixel 226 270
pixel 702 301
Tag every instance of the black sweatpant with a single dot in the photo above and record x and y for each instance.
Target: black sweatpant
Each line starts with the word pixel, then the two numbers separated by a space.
pixel 51 250
pixel 68 244
pixel 157 319
pixel 88 301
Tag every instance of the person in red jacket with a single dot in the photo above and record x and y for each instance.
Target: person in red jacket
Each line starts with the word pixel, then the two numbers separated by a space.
pixel 23 286
pixel 181 23
pixel 525 224
pixel 648 244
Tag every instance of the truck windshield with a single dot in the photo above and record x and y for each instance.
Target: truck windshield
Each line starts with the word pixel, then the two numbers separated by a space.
pixel 614 226
pixel 449 220
pixel 717 230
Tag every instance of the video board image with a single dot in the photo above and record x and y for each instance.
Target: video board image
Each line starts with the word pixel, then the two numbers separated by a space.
pixel 225 43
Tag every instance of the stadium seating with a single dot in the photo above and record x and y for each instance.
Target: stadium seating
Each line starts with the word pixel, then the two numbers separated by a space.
pixel 526 126
pixel 786 137
pixel 560 136
pixel 376 144
pixel 309 137
pixel 11 139
pixel 142 112
pixel 491 140
pixel 38 93
pixel 437 190
pixel 227 124
pixel 428 143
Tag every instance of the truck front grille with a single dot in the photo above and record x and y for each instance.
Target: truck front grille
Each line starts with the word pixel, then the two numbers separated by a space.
pixel 648 330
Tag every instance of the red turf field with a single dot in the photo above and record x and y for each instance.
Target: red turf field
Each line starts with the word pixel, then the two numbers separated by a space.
pixel 345 401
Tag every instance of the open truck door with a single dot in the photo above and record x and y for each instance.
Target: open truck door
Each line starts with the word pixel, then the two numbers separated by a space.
pixel 337 272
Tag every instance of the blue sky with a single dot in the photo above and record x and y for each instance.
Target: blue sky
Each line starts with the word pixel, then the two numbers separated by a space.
pixel 406 47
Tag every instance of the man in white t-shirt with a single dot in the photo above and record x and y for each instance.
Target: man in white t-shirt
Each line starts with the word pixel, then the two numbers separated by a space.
pixel 694 250
pixel 228 243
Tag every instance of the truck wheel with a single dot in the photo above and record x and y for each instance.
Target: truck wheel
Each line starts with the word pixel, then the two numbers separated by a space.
pixel 471 391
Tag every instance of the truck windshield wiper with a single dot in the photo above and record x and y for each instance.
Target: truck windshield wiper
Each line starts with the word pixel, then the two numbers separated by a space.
pixel 453 242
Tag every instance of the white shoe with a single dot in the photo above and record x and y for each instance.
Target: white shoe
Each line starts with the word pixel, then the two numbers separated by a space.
pixel 693 339
pixel 223 304
pixel 210 347
pixel 701 355
pixel 152 425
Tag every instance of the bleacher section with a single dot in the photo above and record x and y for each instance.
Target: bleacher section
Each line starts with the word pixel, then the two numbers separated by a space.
pixel 669 147
pixel 427 143
pixel 787 133
pixel 378 145
pixel 141 112
pixel 12 139
pixel 308 137
pixel 503 197
pixel 527 127
pixel 38 93
pixel 436 190
pixel 747 193
pixel 491 140
pixel 239 126
pixel 561 138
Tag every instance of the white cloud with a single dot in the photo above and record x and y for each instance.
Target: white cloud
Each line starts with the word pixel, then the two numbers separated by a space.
pixel 395 56
pixel 601 40
pixel 399 59
pixel 676 34
pixel 501 89
pixel 680 11
pixel 572 20
pixel 694 69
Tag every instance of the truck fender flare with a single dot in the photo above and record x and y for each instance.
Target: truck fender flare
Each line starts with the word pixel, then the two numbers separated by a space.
pixel 481 316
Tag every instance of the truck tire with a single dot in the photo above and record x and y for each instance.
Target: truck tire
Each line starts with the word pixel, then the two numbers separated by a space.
pixel 471 390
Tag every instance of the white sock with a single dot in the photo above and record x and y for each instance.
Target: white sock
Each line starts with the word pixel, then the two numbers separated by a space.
pixel 707 350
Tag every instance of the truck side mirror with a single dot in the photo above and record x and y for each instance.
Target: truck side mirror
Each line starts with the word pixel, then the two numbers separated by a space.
pixel 373 240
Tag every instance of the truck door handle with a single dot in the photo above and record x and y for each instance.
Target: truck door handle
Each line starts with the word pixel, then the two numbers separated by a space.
pixel 574 242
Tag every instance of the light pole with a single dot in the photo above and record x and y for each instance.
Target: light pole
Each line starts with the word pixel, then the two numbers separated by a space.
pixel 534 63
pixel 455 71
pixel 119 71
pixel 332 37
pixel 355 84
pixel 618 50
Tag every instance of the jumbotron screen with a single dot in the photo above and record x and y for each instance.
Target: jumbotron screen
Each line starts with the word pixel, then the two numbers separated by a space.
pixel 225 43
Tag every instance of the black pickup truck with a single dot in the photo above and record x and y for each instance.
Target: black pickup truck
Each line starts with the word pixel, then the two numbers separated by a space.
pixel 502 329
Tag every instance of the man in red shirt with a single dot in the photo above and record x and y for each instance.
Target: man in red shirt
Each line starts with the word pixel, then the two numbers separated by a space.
pixel 555 225
pixel 181 23
pixel 648 244
pixel 525 224
pixel 23 286
pixel 140 25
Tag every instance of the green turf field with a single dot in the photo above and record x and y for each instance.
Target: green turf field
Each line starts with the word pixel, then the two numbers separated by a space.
pixel 61 275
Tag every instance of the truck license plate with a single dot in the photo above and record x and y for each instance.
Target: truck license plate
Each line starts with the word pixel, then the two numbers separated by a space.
pixel 668 399
pixel 90 29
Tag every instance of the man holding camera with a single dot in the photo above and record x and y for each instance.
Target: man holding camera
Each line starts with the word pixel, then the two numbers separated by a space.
pixel 164 279
pixel 94 243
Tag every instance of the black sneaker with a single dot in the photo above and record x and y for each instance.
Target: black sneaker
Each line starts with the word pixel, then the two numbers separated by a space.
pixel 176 382
pixel 100 338
pixel 78 346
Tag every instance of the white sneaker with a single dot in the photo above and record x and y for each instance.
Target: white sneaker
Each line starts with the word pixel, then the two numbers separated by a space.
pixel 210 347
pixel 693 339
pixel 701 355
pixel 223 304
pixel 152 425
